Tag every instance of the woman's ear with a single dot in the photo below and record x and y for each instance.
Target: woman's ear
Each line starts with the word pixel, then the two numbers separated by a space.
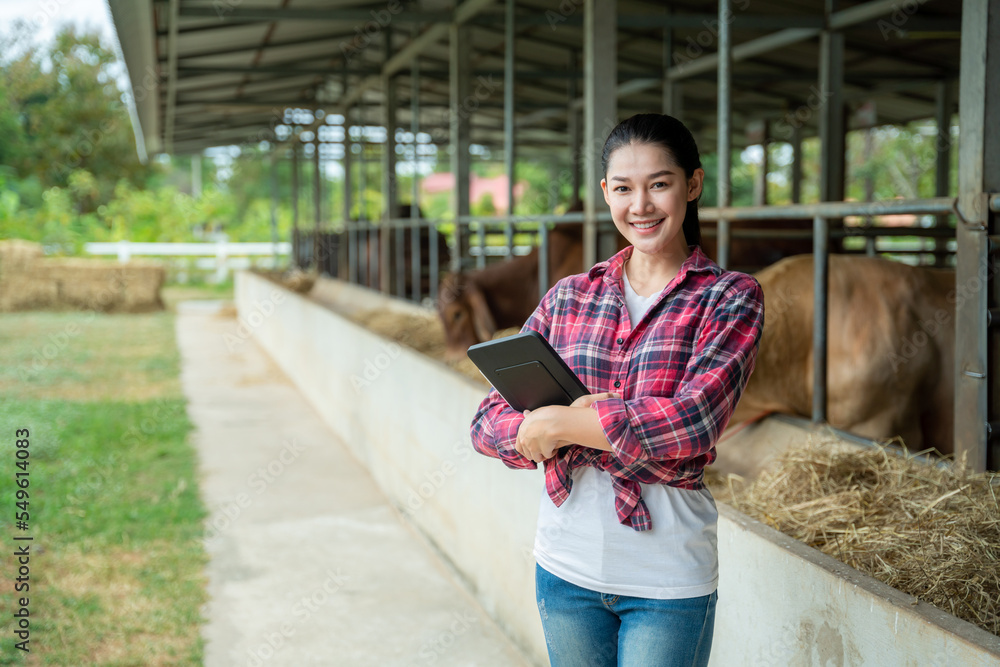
pixel 695 184
pixel 604 188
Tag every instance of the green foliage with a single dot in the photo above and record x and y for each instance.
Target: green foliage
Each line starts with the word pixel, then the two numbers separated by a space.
pixel 61 111
pixel 897 161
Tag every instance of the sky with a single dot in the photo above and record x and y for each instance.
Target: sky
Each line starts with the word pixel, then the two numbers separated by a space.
pixel 47 16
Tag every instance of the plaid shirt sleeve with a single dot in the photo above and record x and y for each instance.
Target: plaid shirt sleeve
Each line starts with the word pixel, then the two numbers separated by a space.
pixel 494 428
pixel 649 429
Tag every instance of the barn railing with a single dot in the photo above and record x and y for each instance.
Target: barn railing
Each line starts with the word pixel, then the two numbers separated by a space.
pixel 363 268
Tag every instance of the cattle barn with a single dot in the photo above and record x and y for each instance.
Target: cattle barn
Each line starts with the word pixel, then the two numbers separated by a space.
pixel 336 85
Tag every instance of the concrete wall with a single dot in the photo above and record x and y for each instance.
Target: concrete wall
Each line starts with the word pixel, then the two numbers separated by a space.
pixel 407 418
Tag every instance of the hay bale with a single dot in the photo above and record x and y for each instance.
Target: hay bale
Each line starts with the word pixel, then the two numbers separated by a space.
pixel 16 255
pixel 84 284
pixel 930 531
pixel 24 291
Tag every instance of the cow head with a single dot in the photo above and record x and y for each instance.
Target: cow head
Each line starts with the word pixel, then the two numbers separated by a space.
pixel 464 313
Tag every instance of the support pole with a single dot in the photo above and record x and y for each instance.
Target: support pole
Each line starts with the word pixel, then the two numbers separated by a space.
pixel 295 202
pixel 831 118
pixel 942 165
pixel 574 129
pixel 416 261
pixel 600 110
pixel 820 283
pixel 274 210
pixel 725 85
pixel 352 232
pixel 387 235
pixel 831 137
pixel 796 164
pixel 460 71
pixel 977 352
pixel 509 143
pixel 317 204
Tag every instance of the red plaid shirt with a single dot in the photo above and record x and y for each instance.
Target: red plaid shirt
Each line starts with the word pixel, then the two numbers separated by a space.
pixel 680 373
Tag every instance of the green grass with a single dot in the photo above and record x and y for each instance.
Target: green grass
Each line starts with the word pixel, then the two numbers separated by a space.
pixel 116 561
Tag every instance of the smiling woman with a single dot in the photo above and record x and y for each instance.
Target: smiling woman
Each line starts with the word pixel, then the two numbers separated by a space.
pixel 665 340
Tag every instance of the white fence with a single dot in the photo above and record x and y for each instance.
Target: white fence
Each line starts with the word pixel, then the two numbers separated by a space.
pixel 218 256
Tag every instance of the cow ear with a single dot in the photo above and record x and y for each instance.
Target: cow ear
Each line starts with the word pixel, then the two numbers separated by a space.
pixel 482 318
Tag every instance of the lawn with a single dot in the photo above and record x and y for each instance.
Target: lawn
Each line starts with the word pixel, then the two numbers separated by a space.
pixel 116 559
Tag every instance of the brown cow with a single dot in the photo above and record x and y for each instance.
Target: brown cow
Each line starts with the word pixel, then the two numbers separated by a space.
pixel 890 349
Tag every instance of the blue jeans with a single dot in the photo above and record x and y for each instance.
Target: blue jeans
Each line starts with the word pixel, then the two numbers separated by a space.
pixel 587 628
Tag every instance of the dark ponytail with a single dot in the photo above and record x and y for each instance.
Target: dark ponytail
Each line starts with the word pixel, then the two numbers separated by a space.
pixel 671 135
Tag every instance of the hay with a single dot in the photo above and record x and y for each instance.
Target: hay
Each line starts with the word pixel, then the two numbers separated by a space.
pixel 930 531
pixel 423 334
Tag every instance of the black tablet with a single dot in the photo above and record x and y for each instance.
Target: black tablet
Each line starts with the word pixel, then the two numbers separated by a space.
pixel 527 372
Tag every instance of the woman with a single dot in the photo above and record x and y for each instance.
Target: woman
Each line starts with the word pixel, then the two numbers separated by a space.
pixel 627 564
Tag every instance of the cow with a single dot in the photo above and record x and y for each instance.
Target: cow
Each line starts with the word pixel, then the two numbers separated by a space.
pixel 890 350
pixel 474 305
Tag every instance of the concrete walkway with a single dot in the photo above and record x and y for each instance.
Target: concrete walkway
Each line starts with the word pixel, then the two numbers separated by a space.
pixel 310 565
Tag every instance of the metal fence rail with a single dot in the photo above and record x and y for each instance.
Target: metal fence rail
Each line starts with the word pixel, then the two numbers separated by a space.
pixel 341 253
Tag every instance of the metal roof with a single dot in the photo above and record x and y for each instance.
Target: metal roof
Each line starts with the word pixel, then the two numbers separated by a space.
pixel 207 73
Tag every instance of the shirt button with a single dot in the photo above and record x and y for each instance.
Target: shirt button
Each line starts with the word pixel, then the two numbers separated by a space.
pixel 621 341
pixel 617 383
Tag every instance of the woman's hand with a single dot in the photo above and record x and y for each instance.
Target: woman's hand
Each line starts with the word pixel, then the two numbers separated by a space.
pixel 539 437
pixel 589 399
pixel 536 438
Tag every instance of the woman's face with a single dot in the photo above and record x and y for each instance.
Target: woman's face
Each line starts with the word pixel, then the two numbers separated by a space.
pixel 648 194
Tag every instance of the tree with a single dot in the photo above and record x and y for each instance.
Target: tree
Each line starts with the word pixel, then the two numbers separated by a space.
pixel 61 111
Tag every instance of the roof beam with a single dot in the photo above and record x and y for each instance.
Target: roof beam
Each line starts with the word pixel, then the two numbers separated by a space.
pixel 289 68
pixel 168 130
pixel 252 46
pixel 740 21
pixel 267 14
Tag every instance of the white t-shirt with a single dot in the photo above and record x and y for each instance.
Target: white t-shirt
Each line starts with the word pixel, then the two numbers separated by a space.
pixel 583 543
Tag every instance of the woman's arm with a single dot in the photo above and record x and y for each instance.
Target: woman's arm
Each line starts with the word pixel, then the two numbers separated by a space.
pixel 687 425
pixel 545 430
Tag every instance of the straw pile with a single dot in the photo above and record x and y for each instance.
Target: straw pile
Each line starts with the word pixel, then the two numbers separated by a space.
pixel 932 532
pixel 293 278
pixel 423 334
